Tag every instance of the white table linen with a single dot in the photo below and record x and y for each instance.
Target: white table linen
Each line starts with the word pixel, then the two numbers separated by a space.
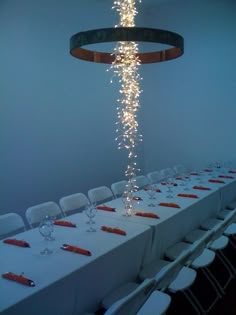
pixel 66 282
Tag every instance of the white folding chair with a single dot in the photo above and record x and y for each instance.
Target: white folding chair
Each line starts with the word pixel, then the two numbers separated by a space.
pixel 118 188
pixel 73 203
pixel 35 214
pixel 200 259
pixel 142 300
pixel 140 181
pixel 11 224
pixel 180 169
pixel 167 172
pixel 100 194
pixel 155 177
pixel 173 276
pixel 170 276
pixel 217 243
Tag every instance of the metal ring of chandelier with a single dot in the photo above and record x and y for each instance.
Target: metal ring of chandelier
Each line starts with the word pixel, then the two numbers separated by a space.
pixel 134 34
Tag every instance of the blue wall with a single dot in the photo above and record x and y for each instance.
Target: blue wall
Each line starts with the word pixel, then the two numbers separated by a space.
pixel 58 113
pixel 190 102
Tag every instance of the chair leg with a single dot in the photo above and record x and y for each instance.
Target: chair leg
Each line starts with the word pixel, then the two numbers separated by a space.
pixel 193 301
pixel 214 282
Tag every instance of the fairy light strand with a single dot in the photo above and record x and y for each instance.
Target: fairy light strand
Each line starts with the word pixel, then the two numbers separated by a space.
pixel 125 67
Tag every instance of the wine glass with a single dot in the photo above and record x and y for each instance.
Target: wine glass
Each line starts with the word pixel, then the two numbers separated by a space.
pixel 169 184
pixel 46 229
pixel 151 192
pixel 90 212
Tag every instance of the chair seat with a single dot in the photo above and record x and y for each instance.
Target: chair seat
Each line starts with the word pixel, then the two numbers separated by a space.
pixel 194 235
pixel 204 259
pixel 210 223
pixel 220 243
pixel 119 293
pixel 150 270
pixel 230 230
pixel 223 214
pixel 232 205
pixel 157 303
pixel 184 280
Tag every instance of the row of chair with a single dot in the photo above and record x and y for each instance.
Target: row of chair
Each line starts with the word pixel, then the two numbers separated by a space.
pixel 177 272
pixel 13 223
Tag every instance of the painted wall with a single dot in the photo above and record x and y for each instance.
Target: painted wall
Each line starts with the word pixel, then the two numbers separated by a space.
pixel 58 114
pixel 189 104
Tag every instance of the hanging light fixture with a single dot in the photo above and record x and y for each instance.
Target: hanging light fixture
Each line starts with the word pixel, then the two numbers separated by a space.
pixel 125 61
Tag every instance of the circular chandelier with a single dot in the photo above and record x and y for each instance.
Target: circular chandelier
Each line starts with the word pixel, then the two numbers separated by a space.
pixel 127 34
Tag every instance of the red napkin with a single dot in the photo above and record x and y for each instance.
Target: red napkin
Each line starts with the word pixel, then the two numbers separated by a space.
pixel 147 215
pixel 232 172
pixel 16 242
pixel 226 176
pixel 169 204
pixel 156 190
pixel 207 170
pixel 216 181
pixel 75 249
pixel 136 198
pixel 201 188
pixel 194 173
pixel 65 223
pixel 112 230
pixel 18 278
pixel 188 195
pixel 105 208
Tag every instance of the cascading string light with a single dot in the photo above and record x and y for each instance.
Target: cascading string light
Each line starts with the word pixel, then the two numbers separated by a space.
pixel 125 66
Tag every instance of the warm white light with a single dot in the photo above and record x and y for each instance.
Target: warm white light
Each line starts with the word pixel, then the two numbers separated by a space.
pixel 125 67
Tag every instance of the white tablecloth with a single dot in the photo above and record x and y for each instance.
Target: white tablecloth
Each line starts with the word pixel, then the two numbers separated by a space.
pixel 175 223
pixel 69 283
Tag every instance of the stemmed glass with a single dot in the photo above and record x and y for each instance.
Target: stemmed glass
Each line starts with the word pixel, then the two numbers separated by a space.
pixel 187 180
pixel 90 212
pixel 46 229
pixel 169 184
pixel 151 193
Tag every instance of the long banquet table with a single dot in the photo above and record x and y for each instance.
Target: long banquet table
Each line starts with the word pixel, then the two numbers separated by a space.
pixel 69 283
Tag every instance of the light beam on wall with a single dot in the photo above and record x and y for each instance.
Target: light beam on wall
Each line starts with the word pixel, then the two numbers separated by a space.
pixel 125 61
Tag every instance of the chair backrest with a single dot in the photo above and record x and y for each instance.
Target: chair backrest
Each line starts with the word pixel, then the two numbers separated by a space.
pixel 130 304
pixel 199 245
pixel 35 214
pixel 11 224
pixel 141 181
pixel 100 194
pixel 73 203
pixel 219 228
pixel 118 188
pixel 167 172
pixel 180 169
pixel 155 177
pixel 169 272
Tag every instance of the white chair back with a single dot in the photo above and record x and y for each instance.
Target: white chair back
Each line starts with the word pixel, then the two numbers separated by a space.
pixel 167 172
pixel 73 203
pixel 180 169
pixel 141 181
pixel 100 194
pixel 155 177
pixel 130 304
pixel 11 224
pixel 170 271
pixel 118 188
pixel 35 214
